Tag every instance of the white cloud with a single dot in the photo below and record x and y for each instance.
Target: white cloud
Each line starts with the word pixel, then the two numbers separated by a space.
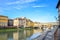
pixel 21 2
pixel 24 4
pixel 20 7
pixel 26 1
pixel 17 8
pixel 10 3
pixel 38 6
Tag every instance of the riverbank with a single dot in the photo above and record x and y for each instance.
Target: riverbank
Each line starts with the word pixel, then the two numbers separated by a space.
pixel 13 29
pixel 8 30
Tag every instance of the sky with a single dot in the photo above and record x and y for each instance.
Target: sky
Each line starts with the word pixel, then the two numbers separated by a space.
pixel 36 10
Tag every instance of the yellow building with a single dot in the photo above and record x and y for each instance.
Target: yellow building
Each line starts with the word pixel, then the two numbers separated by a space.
pixel 49 26
pixel 30 23
pixel 37 24
pixel 3 21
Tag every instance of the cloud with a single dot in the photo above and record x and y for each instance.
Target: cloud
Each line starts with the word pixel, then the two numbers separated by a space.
pixel 38 6
pixel 10 3
pixel 20 7
pixel 17 8
pixel 20 2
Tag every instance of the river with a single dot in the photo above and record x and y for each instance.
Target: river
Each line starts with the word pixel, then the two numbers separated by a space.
pixel 19 34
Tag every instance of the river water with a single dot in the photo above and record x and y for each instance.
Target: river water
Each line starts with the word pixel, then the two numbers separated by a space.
pixel 19 34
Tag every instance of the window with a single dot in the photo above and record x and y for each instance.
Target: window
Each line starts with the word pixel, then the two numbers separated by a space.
pixel 3 23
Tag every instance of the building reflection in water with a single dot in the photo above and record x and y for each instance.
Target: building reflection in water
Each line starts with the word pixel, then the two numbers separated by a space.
pixel 23 35
pixel 3 37
pixel 18 35
pixel 37 30
pixel 10 35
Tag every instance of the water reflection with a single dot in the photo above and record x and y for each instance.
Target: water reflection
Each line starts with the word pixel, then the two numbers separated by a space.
pixel 37 30
pixel 9 35
pixel 3 36
pixel 18 35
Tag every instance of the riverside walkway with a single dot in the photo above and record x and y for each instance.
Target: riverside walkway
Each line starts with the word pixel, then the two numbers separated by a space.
pixel 58 33
pixel 48 35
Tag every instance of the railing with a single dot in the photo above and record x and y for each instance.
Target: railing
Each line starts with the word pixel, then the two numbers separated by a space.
pixel 48 35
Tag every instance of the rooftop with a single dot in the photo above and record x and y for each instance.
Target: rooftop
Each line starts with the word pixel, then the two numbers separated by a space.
pixel 3 16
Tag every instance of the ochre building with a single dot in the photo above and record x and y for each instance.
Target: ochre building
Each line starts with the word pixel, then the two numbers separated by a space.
pixel 3 21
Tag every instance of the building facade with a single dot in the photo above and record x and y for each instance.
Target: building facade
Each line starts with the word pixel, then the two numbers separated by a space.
pixel 37 24
pixel 10 22
pixel 16 22
pixel 29 23
pixel 20 22
pixel 57 36
pixel 23 22
pixel 58 6
pixel 3 21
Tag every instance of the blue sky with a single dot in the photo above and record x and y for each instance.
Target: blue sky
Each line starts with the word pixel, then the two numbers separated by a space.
pixel 36 10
